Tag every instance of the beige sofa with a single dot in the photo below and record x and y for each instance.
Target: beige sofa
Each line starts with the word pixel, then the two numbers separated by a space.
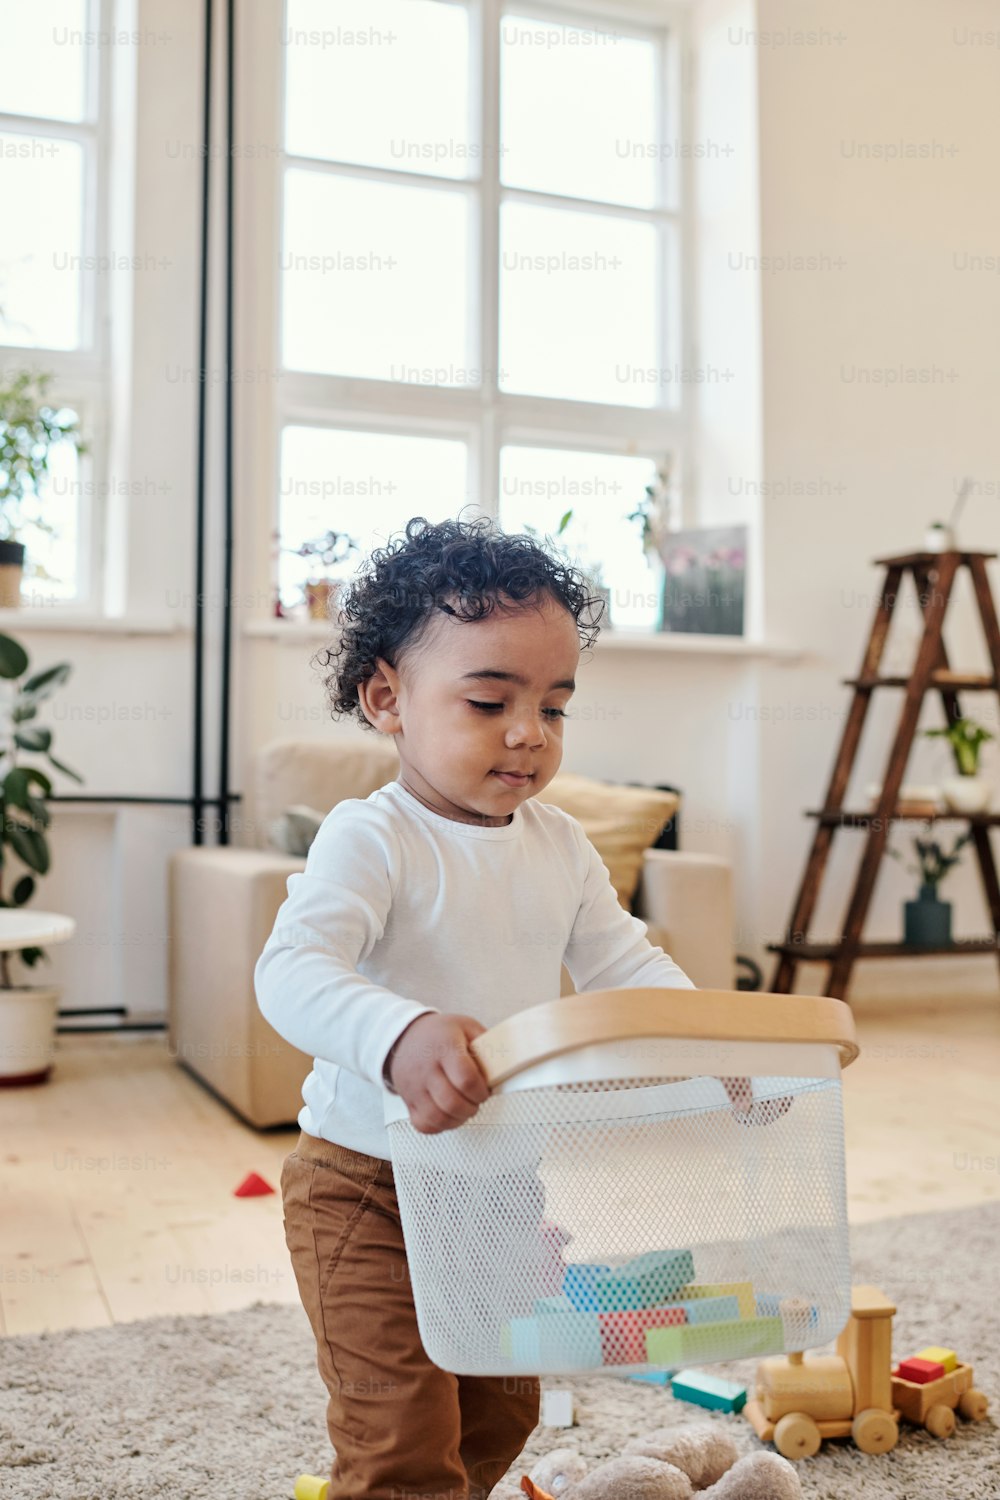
pixel 223 902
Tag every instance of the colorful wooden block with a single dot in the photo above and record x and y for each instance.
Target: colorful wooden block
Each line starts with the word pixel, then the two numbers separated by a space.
pixel 650 1280
pixel 623 1334
pixel 571 1341
pixel 651 1377
pixel 769 1306
pixel 920 1371
pixel 939 1356
pixel 741 1290
pixel 711 1309
pixel 553 1304
pixel 739 1338
pixel 708 1390
pixel 578 1285
pixel 557 1409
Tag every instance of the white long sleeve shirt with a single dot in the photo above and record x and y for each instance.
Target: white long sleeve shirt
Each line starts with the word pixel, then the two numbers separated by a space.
pixel 401 911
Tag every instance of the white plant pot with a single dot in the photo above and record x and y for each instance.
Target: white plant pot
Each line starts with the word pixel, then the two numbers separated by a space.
pixel 966 794
pixel 939 539
pixel 27 1033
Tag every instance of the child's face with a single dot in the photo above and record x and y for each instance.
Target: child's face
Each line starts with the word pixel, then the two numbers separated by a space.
pixel 451 750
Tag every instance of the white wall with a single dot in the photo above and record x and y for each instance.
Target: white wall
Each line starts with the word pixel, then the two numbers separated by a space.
pixel 892 292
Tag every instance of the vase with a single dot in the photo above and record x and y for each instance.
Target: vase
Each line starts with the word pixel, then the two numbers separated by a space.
pixel 11 571
pixel 939 539
pixel 321 596
pixel 27 1033
pixel 967 795
pixel 927 920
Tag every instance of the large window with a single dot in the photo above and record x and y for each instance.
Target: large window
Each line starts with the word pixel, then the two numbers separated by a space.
pixel 480 274
pixel 52 135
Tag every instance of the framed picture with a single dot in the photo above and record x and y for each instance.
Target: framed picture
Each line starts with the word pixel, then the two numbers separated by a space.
pixel 704 580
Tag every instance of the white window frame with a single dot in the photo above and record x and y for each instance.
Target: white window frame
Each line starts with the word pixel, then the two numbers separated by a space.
pixel 81 375
pixel 486 418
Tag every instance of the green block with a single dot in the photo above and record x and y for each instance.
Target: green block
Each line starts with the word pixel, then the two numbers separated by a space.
pixel 708 1390
pixel 736 1338
pixel 650 1280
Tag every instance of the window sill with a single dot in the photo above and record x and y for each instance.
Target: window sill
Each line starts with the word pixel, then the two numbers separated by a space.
pixel 298 632
pixel 81 622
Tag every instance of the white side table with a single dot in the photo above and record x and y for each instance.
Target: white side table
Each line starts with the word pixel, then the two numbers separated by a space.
pixel 28 1012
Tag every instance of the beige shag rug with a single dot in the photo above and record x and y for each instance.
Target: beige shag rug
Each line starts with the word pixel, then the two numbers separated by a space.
pixel 231 1407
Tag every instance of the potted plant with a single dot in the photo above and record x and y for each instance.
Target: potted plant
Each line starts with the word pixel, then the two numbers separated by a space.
pixel 653 512
pixel 927 920
pixel 593 572
pixel 319 590
pixel 27 1012
pixel 29 430
pixel 967 793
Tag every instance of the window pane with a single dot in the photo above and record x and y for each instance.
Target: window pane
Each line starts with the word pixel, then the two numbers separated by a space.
pixel 578 111
pixel 40 243
pixel 367 484
pixel 44 59
pixel 51 561
pixel 539 485
pixel 380 82
pixel 374 280
pixel 578 306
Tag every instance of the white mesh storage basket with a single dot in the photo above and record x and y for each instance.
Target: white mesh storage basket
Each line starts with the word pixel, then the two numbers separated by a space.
pixel 610 1207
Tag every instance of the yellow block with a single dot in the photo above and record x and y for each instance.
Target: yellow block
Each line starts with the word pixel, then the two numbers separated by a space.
pixel 939 1356
pixel 308 1487
pixel 741 1290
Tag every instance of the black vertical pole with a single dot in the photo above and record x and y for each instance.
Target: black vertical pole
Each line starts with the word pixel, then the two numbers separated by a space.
pixel 227 556
pixel 197 809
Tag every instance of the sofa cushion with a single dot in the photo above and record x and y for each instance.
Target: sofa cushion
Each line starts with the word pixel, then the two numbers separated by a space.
pixel 622 822
pixel 317 774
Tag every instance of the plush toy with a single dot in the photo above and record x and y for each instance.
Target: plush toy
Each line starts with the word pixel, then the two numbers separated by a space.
pixel 668 1464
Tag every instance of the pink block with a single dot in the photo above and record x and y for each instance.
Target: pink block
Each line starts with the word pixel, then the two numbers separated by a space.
pixel 623 1334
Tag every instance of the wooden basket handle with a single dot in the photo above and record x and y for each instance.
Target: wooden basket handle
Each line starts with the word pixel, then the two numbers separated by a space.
pixel 598 1016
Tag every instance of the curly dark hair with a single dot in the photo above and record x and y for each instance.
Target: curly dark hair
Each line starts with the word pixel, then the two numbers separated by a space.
pixel 390 603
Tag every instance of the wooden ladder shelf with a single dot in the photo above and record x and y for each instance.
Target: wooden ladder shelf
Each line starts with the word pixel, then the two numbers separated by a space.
pixel 934 575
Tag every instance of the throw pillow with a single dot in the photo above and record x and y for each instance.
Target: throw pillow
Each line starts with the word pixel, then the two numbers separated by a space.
pixel 622 822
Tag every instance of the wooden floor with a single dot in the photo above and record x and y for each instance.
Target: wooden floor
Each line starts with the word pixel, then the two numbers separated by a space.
pixel 116 1177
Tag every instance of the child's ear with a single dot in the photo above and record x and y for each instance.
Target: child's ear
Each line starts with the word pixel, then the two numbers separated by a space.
pixel 379 698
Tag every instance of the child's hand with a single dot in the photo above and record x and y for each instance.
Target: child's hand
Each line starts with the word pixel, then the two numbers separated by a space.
pixel 435 1074
pixel 746 1109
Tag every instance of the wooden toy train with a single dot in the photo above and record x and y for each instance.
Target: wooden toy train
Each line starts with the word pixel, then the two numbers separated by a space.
pixel 856 1393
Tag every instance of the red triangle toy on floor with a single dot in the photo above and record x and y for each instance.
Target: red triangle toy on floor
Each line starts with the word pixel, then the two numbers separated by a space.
pixel 252 1186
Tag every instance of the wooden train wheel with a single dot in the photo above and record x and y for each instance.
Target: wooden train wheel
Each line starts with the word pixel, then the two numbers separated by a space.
pixel 875 1431
pixel 940 1421
pixel 797 1436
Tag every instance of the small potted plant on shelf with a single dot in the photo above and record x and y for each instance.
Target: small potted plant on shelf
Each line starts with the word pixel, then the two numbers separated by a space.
pixel 967 793
pixel 927 919
pixel 328 551
pixel 653 511
pixel 29 429
pixel 27 1011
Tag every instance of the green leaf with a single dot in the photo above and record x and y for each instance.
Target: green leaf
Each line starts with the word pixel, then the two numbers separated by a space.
pixel 23 890
pixel 39 812
pixel 23 710
pixel 18 783
pixel 66 770
pixel 44 684
pixel 31 846
pixel 30 956
pixel 38 738
pixel 13 657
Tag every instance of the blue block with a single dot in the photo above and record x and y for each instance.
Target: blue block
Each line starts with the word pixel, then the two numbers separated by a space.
pixel 708 1390
pixel 578 1285
pixel 653 1377
pixel 711 1309
pixel 570 1340
pixel 650 1280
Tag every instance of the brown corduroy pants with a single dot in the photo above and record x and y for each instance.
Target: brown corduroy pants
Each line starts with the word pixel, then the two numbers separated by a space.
pixel 401 1427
